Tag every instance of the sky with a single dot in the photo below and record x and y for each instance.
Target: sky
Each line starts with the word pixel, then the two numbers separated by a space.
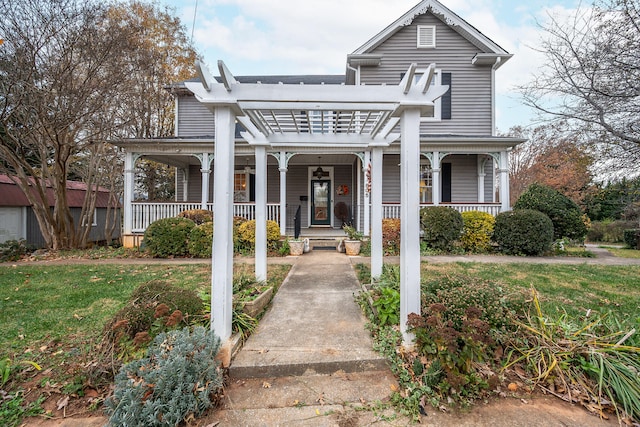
pixel 314 36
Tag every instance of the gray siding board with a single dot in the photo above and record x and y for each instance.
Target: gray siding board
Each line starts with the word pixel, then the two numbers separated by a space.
pixel 464 178
pixel 471 85
pixel 488 181
pixel 194 119
pixel 391 178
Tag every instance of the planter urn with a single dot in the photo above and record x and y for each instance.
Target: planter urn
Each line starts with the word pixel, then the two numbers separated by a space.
pixel 352 247
pixel 296 247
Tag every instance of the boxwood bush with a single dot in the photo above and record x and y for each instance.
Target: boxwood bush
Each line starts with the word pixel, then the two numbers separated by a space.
pixel 441 225
pixel 168 237
pixel 201 240
pixel 477 230
pixel 523 232
pixel 564 213
pixel 632 238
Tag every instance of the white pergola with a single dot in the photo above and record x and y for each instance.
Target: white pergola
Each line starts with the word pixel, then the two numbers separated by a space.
pixel 278 117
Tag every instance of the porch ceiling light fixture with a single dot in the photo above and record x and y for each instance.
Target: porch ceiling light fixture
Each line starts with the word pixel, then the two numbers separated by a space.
pixel 319 173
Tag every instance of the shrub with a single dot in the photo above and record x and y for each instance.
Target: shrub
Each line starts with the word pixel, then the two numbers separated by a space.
pixel 632 238
pixel 477 231
pixel 523 232
pixel 441 225
pixel 153 307
pixel 168 237
pixel 391 236
pixel 175 380
pixel 201 240
pixel 609 231
pixel 238 245
pixel 12 250
pixel 563 212
pixel 247 233
pixel 199 216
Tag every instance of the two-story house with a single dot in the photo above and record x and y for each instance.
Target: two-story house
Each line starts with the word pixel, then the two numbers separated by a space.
pixel 463 164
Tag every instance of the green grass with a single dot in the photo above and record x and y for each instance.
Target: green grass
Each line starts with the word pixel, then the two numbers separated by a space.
pixel 571 288
pixel 71 303
pixel 625 253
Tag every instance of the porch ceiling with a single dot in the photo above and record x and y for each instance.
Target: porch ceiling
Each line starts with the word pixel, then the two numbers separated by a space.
pixel 320 116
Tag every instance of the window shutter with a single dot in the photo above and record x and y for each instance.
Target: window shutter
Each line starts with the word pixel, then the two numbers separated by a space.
pixel 445 112
pixel 426 36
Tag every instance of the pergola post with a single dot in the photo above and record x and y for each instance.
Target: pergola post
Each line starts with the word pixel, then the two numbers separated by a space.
pixel 222 257
pixel 409 219
pixel 376 213
pixel 261 213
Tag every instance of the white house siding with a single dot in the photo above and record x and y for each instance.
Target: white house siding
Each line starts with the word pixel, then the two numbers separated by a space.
pixel 194 119
pixel 11 223
pixel 470 86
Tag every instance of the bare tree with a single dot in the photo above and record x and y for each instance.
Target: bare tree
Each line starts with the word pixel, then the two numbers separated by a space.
pixel 74 74
pixel 591 79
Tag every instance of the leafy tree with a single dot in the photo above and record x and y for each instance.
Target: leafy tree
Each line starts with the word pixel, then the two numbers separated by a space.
pixel 614 200
pixel 591 78
pixel 551 157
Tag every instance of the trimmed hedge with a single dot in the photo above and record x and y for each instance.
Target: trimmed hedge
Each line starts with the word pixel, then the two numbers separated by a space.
pixel 441 225
pixel 247 233
pixel 564 213
pixel 201 240
pixel 632 238
pixel 168 237
pixel 477 231
pixel 523 232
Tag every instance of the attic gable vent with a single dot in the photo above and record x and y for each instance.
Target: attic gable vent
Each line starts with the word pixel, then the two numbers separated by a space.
pixel 426 36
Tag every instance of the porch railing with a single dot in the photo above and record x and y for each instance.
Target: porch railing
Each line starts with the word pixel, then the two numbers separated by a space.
pixel 144 213
pixel 392 210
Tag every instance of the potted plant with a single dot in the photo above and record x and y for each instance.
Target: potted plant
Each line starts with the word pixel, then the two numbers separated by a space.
pixel 353 240
pixel 296 246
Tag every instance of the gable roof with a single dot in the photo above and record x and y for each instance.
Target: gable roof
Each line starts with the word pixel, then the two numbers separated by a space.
pixel 11 194
pixel 454 21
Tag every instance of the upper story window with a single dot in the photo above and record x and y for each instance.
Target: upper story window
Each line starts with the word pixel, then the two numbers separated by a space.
pixel 426 36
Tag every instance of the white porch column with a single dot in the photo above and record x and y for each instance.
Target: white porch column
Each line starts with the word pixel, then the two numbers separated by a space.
pixel 481 175
pixel 282 167
pixel 129 179
pixel 185 184
pixel 435 179
pixel 504 181
pixel 376 213
pixel 222 257
pixel 410 219
pixel 205 171
pixel 261 213
pixel 367 194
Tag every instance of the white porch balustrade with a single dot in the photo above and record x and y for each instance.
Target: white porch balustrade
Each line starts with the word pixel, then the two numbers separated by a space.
pixel 144 213
pixel 392 210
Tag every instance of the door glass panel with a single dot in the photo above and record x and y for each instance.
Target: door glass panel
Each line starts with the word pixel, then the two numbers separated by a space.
pixel 321 202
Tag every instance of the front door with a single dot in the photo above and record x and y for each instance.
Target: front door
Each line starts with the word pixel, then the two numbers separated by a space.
pixel 320 202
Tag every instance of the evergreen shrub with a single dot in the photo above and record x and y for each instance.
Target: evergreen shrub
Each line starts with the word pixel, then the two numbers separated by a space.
pixel 391 236
pixel 168 237
pixel 477 231
pixel 523 232
pixel 564 213
pixel 441 225
pixel 13 250
pixel 199 216
pixel 175 380
pixel 632 238
pixel 201 240
pixel 247 234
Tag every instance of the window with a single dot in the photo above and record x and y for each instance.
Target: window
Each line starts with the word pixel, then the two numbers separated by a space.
pixel 93 218
pixel 426 183
pixel 240 187
pixel 426 36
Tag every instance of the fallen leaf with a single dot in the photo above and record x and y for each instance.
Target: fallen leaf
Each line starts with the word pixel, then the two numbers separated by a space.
pixel 320 399
pixel 524 401
pixel 43 348
pixel 77 317
pixel 296 402
pixel 513 387
pixel 317 411
pixel 393 387
pixel 62 402
pixel 266 385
